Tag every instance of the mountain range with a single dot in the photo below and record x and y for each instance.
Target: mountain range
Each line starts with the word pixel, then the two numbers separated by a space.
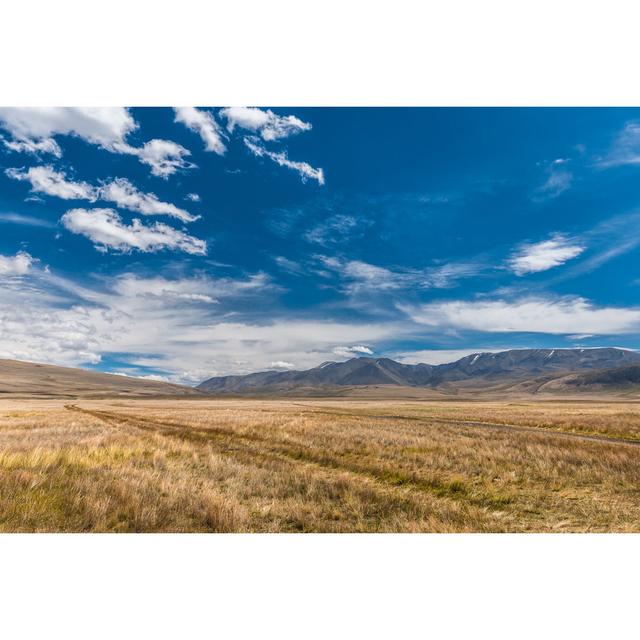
pixel 514 372
pixel 523 370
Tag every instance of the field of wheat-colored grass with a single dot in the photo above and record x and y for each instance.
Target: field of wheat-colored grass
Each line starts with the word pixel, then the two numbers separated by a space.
pixel 318 466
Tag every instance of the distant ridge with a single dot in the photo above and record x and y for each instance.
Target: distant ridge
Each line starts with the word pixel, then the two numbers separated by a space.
pixel 473 371
pixel 18 379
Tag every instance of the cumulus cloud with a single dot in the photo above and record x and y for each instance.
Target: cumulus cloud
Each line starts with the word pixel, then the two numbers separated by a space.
pixel 349 352
pixel 558 180
pixel 119 191
pixel 106 230
pixel 532 258
pixel 569 315
pixel 33 130
pixel 163 156
pixel 204 124
pixel 194 197
pixel 54 183
pixel 106 127
pixel 304 169
pixel 17 265
pixel 281 364
pixel 264 122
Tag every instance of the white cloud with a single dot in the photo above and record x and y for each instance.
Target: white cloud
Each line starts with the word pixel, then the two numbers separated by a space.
pixel 29 221
pixel 625 149
pixel 290 266
pixel 197 289
pixel 559 179
pixel 52 319
pixel 107 127
pixel 334 229
pixel 532 258
pixel 105 229
pixel 163 156
pixel 305 170
pixel 204 124
pixel 33 129
pixel 281 364
pixel 362 277
pixel 119 191
pixel 122 193
pixel 46 180
pixel 437 356
pixel 349 352
pixel 266 123
pixel 46 146
pixel 569 315
pixel 18 265
pixel 194 197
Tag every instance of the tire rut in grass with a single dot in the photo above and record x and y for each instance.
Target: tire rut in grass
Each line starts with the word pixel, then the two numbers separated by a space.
pixel 397 481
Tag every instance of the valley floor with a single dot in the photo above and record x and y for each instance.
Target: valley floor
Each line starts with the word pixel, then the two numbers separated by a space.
pixel 319 466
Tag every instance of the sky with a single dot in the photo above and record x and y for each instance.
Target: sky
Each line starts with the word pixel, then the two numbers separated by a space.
pixel 179 244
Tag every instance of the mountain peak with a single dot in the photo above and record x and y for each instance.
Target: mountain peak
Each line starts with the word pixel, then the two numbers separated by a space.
pixel 479 368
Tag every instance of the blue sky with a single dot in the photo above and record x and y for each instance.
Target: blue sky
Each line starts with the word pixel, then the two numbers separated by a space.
pixel 187 243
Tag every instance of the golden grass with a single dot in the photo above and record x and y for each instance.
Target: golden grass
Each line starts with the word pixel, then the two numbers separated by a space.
pixel 314 465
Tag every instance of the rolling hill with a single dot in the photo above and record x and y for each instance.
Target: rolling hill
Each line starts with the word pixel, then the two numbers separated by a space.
pixel 474 372
pixel 47 381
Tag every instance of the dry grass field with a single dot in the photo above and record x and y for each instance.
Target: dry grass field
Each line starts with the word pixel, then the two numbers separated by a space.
pixel 318 466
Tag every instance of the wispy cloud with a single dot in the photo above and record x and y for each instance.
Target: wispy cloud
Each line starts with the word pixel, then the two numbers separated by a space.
pixel 566 315
pixel 359 276
pixel 335 229
pixel 122 193
pixel 30 221
pixel 45 179
pixel 625 148
pixel 200 288
pixel 541 256
pixel 105 228
pixel 183 328
pixel 290 266
pixel 558 180
pixel 304 169
pixel 437 356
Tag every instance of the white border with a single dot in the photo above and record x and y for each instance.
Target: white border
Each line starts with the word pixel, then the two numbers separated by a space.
pixel 286 52
pixel 334 52
pixel 318 586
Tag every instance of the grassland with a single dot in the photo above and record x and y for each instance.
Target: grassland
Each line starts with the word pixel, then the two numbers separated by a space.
pixel 318 466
